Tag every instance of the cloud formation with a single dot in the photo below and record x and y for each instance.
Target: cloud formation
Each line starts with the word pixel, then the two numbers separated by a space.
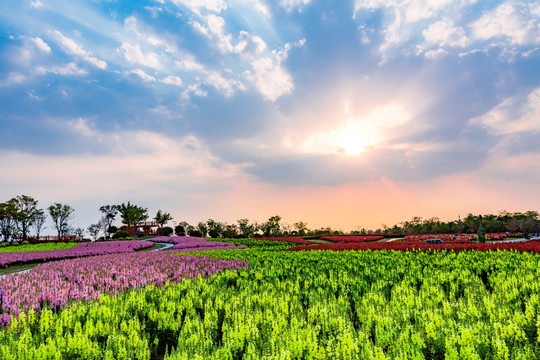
pixel 209 101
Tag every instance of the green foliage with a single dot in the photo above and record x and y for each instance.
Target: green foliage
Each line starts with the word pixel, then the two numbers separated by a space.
pixel 167 231
pixel 35 247
pixel 120 234
pixel 307 305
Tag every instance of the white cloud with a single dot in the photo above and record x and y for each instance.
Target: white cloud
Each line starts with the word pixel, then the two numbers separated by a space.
pixel 134 55
pixel 67 69
pixel 144 76
pixel 13 78
pixel 250 45
pixel 269 76
pixel 189 63
pixel 36 4
pixel 40 44
pixel 132 24
pixel 511 116
pixel 197 5
pixel 519 24
pixel 292 4
pixel 172 80
pixel 446 33
pixel 434 54
pixel 214 30
pixel 194 89
pixel 225 86
pixel 71 47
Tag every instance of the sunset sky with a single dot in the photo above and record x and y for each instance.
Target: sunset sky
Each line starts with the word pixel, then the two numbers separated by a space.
pixel 337 113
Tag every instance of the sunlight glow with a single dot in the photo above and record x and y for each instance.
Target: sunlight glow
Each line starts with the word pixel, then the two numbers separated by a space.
pixel 356 135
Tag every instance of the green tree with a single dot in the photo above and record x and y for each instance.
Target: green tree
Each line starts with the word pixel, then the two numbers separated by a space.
pixel 246 229
pixel 272 227
pixel 8 211
pixel 94 231
pixel 202 228
pixel 215 228
pixel 109 215
pixel 26 213
pixel 132 215
pixel 39 221
pixel 301 228
pixel 61 214
pixel 162 218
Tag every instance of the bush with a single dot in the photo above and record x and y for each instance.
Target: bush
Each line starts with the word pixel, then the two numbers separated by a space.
pixel 120 234
pixel 167 231
pixel 195 233
pixel 15 244
pixel 4 244
pixel 25 242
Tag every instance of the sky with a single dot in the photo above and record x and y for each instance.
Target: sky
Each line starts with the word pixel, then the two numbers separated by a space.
pixel 348 114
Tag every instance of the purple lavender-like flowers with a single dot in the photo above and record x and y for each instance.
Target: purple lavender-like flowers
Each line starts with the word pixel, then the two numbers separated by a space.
pixel 80 250
pixel 57 284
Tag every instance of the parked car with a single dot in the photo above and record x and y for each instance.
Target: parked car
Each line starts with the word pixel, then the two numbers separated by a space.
pixel 434 241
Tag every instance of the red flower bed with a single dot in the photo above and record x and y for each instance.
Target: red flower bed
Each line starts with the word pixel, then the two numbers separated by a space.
pixel 352 238
pixel 294 240
pixel 450 237
pixel 532 246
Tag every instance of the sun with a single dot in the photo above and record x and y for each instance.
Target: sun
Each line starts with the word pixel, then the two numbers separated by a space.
pixel 352 144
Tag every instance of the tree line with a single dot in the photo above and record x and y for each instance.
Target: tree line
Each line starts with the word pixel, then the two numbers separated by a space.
pixel 21 216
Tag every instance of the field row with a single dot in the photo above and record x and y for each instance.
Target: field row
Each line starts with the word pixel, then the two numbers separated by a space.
pixel 307 305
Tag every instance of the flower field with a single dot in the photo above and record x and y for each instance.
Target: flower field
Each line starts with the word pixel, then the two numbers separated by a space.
pixel 352 238
pixel 305 305
pixel 191 243
pixel 530 246
pixel 80 250
pixel 279 304
pixel 54 285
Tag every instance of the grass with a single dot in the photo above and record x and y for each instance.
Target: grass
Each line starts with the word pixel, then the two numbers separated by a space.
pixel 37 247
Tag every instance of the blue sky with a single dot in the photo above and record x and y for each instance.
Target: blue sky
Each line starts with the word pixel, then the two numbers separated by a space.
pixel 347 114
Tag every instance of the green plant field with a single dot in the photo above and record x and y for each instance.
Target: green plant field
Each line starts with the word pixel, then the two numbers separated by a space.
pixel 308 305
pixel 38 247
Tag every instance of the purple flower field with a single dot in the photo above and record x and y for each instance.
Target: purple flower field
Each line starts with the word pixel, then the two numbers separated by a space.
pixel 192 243
pixel 57 284
pixel 80 250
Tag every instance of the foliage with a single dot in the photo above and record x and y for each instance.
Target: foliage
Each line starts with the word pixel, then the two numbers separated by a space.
pixel 80 250
pixel 61 214
pixel 120 234
pixel 8 213
pixel 272 227
pixel 37 247
pixel 94 231
pixel 109 215
pixel 162 218
pixel 307 305
pixel 25 214
pixel 167 231
pixel 132 214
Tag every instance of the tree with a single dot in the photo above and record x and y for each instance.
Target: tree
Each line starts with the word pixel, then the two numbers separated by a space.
pixel 132 215
pixel 94 231
pixel 162 218
pixel 109 215
pixel 215 228
pixel 202 228
pixel 272 226
pixel 25 214
pixel 79 232
pixel 8 212
pixel 167 231
pixel 246 229
pixel 179 230
pixel 61 214
pixel 301 228
pixel 39 221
